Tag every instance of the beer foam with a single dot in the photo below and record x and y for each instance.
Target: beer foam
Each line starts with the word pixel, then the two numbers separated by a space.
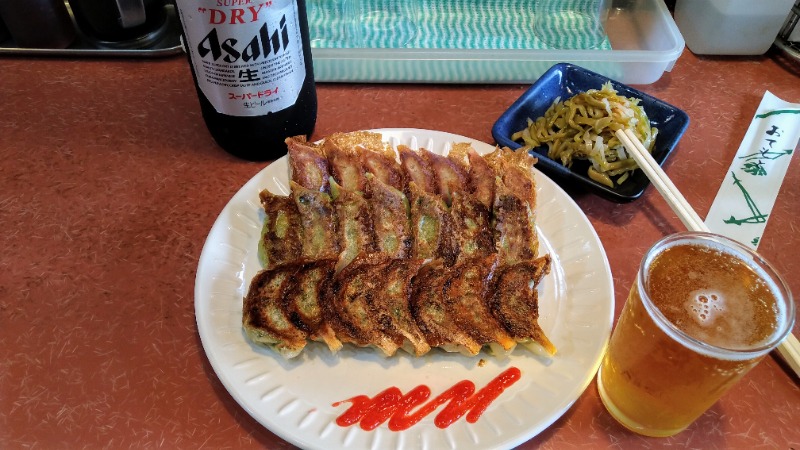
pixel 724 324
pixel 703 306
pixel 710 309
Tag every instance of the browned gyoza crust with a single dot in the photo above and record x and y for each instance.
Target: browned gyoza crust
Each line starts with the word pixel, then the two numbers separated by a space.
pixel 472 233
pixel 354 225
pixel 281 232
pixel 449 176
pixel 367 304
pixel 480 174
pixel 393 306
pixel 282 309
pixel 391 218
pixel 308 165
pixel 350 305
pixel 430 310
pixel 410 251
pixel 318 222
pixel 513 300
pixel 416 170
pixel 301 301
pixel 465 296
pixel 264 318
pixel 432 227
pixel 345 165
pixel 515 239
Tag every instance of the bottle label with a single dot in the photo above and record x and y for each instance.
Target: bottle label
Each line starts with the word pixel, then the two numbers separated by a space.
pixel 247 54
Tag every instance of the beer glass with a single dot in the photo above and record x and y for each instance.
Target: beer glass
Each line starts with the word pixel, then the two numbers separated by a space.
pixel 703 311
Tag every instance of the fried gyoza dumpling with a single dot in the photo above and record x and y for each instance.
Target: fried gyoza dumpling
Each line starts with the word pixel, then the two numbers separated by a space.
pixel 318 220
pixel 432 230
pixel 264 319
pixel 514 302
pixel 515 168
pixel 353 154
pixel 515 236
pixel 465 301
pixel 430 311
pixel 354 224
pixel 280 234
pixel 308 164
pixel 345 165
pixel 301 301
pixel 481 178
pixel 416 170
pixel 514 205
pixel 390 218
pixel 384 167
pixel 472 228
pixel 471 203
pixel 351 310
pixel 449 176
pixel 392 305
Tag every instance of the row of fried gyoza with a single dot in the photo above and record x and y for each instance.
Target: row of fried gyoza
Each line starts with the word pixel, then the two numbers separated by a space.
pixel 433 251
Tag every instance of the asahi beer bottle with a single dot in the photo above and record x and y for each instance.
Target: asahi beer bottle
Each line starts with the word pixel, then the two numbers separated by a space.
pixel 251 62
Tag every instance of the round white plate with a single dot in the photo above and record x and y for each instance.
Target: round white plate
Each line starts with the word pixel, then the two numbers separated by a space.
pixel 294 399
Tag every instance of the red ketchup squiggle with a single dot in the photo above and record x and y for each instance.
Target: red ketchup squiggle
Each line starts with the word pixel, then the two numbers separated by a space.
pixel 392 405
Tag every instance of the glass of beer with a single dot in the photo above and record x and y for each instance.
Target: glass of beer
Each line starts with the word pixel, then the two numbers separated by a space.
pixel 703 311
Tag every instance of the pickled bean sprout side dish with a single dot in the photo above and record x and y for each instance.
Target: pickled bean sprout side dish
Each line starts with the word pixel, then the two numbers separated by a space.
pixel 583 126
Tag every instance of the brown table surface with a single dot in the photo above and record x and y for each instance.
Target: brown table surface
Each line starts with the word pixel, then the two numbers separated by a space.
pixel 110 183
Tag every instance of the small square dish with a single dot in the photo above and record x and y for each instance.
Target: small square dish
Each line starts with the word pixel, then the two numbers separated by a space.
pixel 564 81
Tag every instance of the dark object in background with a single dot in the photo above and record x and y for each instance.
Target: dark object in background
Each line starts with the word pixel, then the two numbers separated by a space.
pixel 253 72
pixel 120 23
pixel 3 31
pixel 788 40
pixel 38 23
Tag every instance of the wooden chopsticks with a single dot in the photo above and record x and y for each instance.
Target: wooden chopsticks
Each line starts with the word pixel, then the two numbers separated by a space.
pixel 661 181
pixel 789 349
pixel 790 352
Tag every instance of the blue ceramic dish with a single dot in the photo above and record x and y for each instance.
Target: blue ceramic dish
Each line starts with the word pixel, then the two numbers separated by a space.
pixel 564 81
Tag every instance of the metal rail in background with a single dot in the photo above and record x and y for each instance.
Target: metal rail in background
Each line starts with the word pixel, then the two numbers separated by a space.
pixel 165 41
pixel 783 42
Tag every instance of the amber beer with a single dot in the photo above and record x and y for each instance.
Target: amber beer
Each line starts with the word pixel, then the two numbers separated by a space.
pixel 703 311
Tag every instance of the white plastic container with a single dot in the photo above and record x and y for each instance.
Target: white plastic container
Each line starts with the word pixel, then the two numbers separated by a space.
pixel 643 38
pixel 730 27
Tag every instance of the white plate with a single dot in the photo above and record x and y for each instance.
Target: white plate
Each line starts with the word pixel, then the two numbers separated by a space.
pixel 294 399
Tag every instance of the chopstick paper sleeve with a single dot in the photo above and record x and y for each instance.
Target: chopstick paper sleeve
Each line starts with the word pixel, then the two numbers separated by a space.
pixel 742 206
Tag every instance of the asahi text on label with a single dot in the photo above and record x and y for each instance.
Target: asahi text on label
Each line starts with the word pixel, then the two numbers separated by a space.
pixel 260 45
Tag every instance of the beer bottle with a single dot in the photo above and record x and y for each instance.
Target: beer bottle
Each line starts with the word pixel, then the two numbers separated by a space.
pixel 251 64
